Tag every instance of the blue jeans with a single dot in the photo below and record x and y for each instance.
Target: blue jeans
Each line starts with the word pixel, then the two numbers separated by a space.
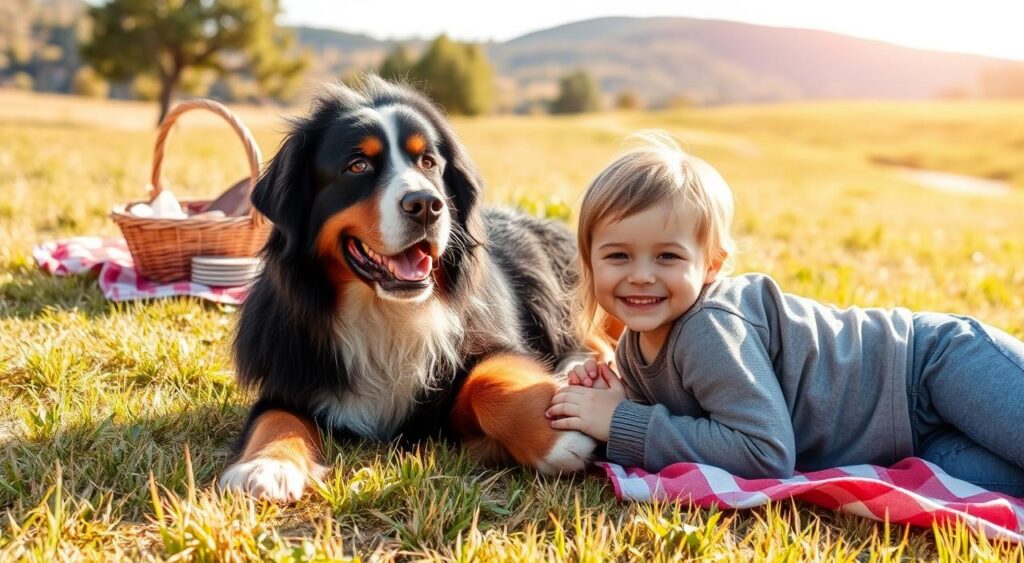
pixel 966 398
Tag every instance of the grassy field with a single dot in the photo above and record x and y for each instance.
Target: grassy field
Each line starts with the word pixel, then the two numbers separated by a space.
pixel 117 418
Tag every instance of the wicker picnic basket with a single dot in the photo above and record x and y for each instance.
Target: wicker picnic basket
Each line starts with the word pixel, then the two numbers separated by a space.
pixel 163 248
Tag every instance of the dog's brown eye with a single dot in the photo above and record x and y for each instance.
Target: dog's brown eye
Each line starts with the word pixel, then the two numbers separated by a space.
pixel 427 163
pixel 358 167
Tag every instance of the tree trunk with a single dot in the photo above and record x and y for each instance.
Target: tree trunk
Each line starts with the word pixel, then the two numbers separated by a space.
pixel 167 85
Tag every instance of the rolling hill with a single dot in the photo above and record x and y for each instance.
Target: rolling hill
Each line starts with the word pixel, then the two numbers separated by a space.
pixel 707 61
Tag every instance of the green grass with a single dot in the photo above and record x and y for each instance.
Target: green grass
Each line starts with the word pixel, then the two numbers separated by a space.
pixel 117 418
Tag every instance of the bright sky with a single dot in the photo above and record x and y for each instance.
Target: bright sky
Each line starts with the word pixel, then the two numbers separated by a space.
pixel 987 27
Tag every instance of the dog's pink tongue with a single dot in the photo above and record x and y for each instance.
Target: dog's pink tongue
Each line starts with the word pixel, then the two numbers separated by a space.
pixel 413 264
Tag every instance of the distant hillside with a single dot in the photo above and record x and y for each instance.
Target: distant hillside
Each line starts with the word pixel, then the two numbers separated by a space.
pixel 707 61
pixel 718 61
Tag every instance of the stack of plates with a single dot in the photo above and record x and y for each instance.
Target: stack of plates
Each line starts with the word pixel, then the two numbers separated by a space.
pixel 224 271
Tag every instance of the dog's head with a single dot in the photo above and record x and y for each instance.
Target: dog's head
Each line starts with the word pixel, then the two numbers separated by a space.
pixel 374 186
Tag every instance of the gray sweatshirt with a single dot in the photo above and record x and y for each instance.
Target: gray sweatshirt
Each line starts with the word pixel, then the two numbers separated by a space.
pixel 759 382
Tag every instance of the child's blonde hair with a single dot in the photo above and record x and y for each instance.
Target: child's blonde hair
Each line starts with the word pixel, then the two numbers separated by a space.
pixel 655 171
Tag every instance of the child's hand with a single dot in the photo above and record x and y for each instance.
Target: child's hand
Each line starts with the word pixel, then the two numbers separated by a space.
pixel 588 410
pixel 583 373
pixel 590 374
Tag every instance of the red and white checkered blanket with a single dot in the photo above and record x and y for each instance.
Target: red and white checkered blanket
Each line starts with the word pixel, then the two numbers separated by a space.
pixel 912 491
pixel 117 278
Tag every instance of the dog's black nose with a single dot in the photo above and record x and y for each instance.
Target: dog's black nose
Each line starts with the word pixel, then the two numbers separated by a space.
pixel 422 206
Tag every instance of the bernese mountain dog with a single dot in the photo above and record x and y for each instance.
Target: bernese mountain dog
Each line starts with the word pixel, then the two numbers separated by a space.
pixel 392 304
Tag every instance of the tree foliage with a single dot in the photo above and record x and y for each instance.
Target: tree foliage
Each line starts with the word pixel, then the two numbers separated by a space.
pixel 456 75
pixel 171 39
pixel 577 93
pixel 40 39
pixel 397 65
pixel 87 82
pixel 627 100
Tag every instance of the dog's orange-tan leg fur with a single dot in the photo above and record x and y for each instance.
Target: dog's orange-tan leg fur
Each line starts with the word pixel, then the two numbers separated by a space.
pixel 281 454
pixel 500 413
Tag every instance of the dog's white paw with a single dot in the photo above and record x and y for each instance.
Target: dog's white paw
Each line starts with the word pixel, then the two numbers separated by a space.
pixel 270 479
pixel 572 452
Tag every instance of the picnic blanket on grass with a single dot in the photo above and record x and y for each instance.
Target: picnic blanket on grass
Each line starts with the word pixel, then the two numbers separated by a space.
pixel 913 491
pixel 117 277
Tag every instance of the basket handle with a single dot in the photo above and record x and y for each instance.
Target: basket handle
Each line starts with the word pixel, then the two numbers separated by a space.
pixel 252 150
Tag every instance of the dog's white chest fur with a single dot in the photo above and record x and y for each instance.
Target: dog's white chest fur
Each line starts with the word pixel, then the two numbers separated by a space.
pixel 391 352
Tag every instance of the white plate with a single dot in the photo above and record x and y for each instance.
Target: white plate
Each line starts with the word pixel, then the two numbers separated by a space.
pixel 222 277
pixel 232 273
pixel 222 283
pixel 225 261
pixel 225 268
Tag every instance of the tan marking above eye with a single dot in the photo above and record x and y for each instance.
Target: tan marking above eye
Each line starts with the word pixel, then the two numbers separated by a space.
pixel 416 143
pixel 371 146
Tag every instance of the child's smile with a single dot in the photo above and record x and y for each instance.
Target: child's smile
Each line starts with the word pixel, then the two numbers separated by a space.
pixel 642 303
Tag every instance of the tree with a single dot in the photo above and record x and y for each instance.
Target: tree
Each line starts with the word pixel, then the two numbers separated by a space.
pixel 627 100
pixel 166 38
pixel 397 65
pixel 679 101
pixel 578 93
pixel 145 87
pixel 87 83
pixel 22 81
pixel 458 76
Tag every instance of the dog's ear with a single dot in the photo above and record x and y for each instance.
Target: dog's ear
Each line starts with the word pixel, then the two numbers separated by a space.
pixel 462 180
pixel 284 191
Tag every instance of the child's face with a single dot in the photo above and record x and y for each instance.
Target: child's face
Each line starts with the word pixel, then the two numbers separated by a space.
pixel 649 268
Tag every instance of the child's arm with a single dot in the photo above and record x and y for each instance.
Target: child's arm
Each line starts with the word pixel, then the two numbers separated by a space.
pixel 747 428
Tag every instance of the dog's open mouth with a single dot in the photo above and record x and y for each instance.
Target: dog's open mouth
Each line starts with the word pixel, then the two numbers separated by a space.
pixel 409 269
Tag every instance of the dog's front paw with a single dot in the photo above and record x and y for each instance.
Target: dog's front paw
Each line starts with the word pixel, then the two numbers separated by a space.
pixel 571 452
pixel 270 479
